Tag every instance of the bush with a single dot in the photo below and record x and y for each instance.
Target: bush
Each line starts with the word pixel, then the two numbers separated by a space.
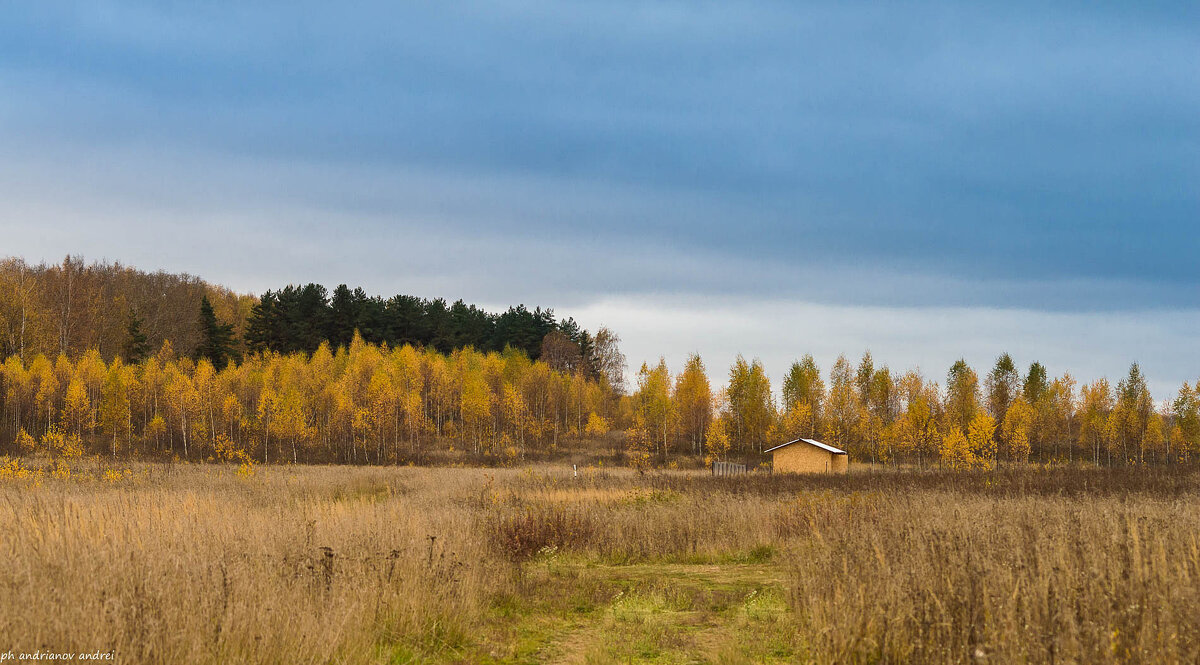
pixel 522 532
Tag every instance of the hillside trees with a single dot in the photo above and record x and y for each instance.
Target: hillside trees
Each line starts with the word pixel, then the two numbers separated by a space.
pixel 136 346
pixel 216 338
pixel 365 404
pixel 300 318
pixel 71 307
pixel 18 283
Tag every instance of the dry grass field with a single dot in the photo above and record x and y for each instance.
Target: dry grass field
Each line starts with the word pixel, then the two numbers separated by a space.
pixel 199 564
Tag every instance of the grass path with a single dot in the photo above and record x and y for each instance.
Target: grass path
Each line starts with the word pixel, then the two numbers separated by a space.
pixel 578 613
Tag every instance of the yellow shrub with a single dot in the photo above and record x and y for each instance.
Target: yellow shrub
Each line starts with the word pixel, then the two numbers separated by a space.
pixel 60 444
pixel 25 442
pixel 11 469
pixel 597 425
pixel 227 451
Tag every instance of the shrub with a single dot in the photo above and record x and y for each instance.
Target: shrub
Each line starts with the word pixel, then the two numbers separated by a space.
pixel 520 533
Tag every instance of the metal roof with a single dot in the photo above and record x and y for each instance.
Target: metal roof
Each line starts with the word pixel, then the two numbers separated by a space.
pixel 811 442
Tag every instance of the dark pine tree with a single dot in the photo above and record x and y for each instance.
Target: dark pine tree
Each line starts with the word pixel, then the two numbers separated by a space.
pixel 439 326
pixel 373 322
pixel 264 329
pixel 135 347
pixel 300 318
pixel 216 338
pixel 522 329
pixel 404 316
pixel 344 312
pixel 1037 383
pixel 308 318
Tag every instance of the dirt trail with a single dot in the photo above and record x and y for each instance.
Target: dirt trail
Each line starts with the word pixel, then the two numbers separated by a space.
pixel 680 613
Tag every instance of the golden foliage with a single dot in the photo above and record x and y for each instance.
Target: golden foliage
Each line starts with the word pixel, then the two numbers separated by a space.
pixel 597 425
pixel 638 448
pixel 717 444
pixel 373 404
pixel 367 404
pixel 1015 430
pixel 956 451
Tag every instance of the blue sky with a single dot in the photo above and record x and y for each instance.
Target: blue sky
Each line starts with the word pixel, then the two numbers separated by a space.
pixel 926 180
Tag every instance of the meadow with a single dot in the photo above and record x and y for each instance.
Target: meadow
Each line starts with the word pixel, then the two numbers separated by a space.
pixel 314 564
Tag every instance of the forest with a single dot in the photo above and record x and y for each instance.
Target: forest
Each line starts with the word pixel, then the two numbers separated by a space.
pixel 884 417
pixel 105 359
pixel 74 307
pixel 301 318
pixel 283 381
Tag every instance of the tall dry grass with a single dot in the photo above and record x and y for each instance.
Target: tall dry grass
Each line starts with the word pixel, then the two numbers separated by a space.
pixel 952 578
pixel 297 566
pixel 326 564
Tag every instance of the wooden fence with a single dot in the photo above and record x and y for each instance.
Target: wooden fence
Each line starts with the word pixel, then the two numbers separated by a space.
pixel 728 469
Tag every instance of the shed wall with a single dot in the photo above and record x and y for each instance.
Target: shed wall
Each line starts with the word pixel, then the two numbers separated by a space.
pixel 803 458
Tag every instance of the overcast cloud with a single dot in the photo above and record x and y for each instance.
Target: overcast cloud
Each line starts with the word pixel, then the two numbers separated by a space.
pixel 926 180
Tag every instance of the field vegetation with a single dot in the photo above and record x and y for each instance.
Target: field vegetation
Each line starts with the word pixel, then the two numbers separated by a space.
pixel 165 563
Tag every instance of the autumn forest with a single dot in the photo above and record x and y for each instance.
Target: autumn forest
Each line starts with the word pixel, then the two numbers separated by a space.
pixel 109 360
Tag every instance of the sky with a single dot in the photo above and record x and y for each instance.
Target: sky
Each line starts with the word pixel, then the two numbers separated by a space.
pixel 925 180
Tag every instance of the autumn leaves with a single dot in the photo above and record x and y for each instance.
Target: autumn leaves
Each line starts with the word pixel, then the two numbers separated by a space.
pixel 365 404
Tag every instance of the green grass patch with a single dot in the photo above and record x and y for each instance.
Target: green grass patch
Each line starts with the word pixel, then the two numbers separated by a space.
pixel 572 608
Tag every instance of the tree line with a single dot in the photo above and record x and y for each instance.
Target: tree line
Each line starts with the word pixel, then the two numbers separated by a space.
pixel 349 378
pixel 73 307
pixel 880 416
pixel 357 378
pixel 360 403
pixel 301 318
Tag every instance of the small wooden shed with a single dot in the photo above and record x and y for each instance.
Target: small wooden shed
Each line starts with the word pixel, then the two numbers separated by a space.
pixel 808 456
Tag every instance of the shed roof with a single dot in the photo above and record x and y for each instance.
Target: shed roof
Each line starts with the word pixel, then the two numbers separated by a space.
pixel 811 442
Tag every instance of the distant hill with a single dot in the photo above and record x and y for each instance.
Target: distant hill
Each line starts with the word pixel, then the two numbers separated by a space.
pixel 76 306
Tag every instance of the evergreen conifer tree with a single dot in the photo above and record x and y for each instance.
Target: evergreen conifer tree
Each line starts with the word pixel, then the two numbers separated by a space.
pixel 135 347
pixel 216 342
